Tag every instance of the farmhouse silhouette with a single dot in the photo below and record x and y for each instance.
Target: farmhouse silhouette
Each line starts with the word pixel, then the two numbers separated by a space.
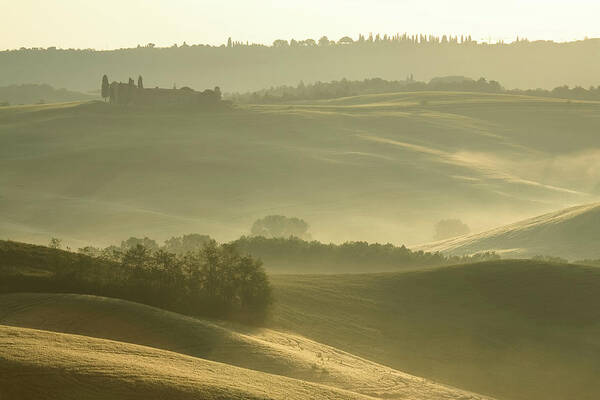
pixel 129 93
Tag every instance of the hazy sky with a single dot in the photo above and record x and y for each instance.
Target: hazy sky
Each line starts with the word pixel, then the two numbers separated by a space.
pixel 126 23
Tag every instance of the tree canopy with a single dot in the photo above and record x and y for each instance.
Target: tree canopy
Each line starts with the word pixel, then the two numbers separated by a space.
pixel 449 228
pixel 105 91
pixel 240 66
pixel 279 226
pixel 212 281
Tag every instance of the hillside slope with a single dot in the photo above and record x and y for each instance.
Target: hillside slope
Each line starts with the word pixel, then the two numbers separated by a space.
pixel 38 364
pixel 572 233
pixel 511 329
pixel 252 348
pixel 522 64
pixel 39 94
pixel 380 168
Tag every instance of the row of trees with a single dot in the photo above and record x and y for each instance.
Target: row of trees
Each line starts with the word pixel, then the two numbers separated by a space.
pixel 346 88
pixel 243 67
pixel 203 280
pixel 213 281
pixel 372 39
pixel 563 92
pixel 283 253
pixel 299 255
pixel 177 245
pixel 588 262
pixel 270 226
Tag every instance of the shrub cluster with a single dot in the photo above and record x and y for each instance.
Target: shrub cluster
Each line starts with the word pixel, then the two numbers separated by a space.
pixel 350 256
pixel 213 281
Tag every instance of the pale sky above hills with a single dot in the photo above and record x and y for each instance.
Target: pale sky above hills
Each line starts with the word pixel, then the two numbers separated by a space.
pixel 115 23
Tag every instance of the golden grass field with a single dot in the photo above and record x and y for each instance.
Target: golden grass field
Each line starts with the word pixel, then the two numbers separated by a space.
pixel 382 167
pixel 38 364
pixel 265 350
pixel 512 329
pixel 506 329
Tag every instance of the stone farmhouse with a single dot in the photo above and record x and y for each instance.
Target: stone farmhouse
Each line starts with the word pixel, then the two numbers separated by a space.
pixel 130 93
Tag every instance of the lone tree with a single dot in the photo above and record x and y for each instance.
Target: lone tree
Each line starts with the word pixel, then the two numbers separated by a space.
pixel 105 88
pixel 279 226
pixel 449 228
pixel 324 41
pixel 140 82
pixel 55 243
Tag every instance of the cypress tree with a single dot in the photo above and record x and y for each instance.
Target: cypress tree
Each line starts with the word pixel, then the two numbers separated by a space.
pixel 105 87
pixel 140 82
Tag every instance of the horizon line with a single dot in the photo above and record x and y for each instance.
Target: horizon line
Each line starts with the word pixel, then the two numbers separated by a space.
pixel 241 43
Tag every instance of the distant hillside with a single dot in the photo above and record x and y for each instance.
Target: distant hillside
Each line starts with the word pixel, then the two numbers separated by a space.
pixel 375 168
pixel 38 94
pixel 347 88
pixel 572 233
pixel 297 256
pixel 521 330
pixel 241 67
pixel 264 350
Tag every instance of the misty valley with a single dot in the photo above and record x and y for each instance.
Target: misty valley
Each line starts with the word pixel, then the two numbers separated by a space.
pixel 379 216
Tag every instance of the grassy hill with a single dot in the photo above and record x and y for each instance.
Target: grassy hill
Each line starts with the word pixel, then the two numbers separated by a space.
pixel 572 233
pixel 36 94
pixel 510 329
pixel 382 167
pixel 256 349
pixel 39 364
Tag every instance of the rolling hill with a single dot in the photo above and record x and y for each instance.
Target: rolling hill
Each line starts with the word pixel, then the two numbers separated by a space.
pixel 39 364
pixel 39 94
pixel 256 349
pixel 519 329
pixel 572 233
pixel 510 329
pixel 382 167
